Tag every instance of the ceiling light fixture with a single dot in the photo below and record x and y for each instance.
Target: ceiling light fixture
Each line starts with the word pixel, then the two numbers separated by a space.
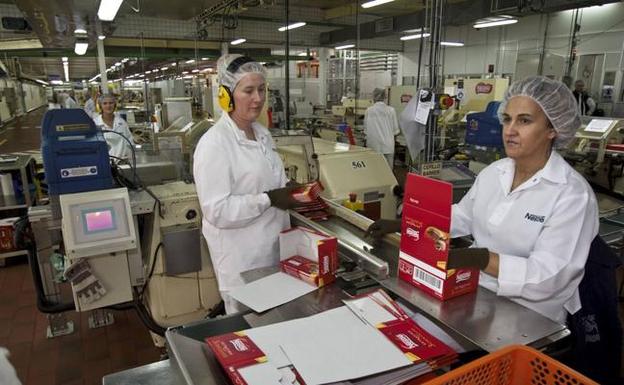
pixel 375 3
pixel 66 71
pixel 452 43
pixel 345 46
pixel 190 61
pixel 173 64
pixel 416 36
pixel 64 59
pixel 164 68
pixel 101 37
pixel 302 54
pixel 205 58
pixel 125 60
pixel 238 41
pixel 291 26
pixel 108 9
pixel 495 21
pixel 81 46
pixel 80 31
pixel 195 71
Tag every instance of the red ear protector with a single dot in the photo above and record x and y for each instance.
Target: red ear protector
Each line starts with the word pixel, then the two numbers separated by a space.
pixel 225 96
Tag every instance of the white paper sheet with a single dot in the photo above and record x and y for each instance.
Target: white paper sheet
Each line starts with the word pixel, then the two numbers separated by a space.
pixel 261 374
pixel 269 338
pixel 370 311
pixel 337 346
pixel 271 291
pixel 598 125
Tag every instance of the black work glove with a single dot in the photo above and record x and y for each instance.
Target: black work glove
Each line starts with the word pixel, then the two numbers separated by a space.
pixel 382 227
pixel 468 257
pixel 282 197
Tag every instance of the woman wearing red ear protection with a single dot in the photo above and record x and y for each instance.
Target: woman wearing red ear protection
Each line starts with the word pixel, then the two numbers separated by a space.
pixel 240 179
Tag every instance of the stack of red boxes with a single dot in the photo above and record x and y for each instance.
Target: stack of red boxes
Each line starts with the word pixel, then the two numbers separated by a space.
pixel 425 240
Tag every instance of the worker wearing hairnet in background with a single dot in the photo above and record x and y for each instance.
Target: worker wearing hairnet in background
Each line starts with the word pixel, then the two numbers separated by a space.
pixel 120 141
pixel 382 126
pixel 531 214
pixel 240 180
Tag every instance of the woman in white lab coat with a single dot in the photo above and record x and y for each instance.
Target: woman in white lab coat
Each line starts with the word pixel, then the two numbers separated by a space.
pixel 532 216
pixel 382 126
pixel 108 120
pixel 240 180
pixel 535 214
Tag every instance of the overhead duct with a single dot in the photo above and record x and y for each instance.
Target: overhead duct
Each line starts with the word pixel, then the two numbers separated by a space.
pixel 455 14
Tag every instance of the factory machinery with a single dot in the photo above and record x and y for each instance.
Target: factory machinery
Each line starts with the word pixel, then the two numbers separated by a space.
pixel 128 247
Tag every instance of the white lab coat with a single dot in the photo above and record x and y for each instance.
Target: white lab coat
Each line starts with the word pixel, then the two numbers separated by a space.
pixel 231 175
pixel 70 102
pixel 89 108
pixel 542 231
pixel 381 125
pixel 117 146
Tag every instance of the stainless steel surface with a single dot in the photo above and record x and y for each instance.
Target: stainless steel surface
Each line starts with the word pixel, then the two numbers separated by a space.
pixel 350 246
pixel 325 298
pixel 190 362
pixel 489 321
pixel 157 373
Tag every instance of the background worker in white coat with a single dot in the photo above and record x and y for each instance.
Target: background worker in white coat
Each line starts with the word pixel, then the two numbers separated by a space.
pixel 240 180
pixel 89 105
pixel 548 206
pixel 382 126
pixel 120 142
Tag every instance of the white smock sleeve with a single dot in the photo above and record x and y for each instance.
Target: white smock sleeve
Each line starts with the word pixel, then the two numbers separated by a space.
pixel 559 255
pixel 395 123
pixel 461 213
pixel 213 179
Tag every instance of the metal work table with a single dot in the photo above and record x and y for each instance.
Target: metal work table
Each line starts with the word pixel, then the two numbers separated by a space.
pixel 157 373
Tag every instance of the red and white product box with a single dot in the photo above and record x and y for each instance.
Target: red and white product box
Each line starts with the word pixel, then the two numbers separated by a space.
pixel 425 240
pixel 235 351
pixel 308 193
pixel 309 255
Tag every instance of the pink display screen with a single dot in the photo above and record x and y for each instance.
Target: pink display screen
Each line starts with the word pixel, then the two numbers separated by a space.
pixel 96 221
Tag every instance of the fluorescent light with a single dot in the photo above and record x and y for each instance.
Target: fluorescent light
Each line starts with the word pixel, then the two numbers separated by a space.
pixel 452 44
pixel 195 71
pixel 204 58
pixel 173 64
pixel 262 63
pixel 56 82
pixel 190 61
pixel 66 71
pixel 238 41
pixel 206 70
pixel 101 37
pixel 117 64
pixel 164 68
pixel 375 3
pixel 155 70
pixel 302 54
pixel 291 26
pixel 80 31
pixel 345 46
pixel 493 22
pixel 417 36
pixel 148 72
pixel 64 59
pixel 125 60
pixel 81 47
pixel 108 9
pixel 184 72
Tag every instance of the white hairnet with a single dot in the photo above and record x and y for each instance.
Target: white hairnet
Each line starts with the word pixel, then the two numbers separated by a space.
pixel 230 79
pixel 379 94
pixel 107 97
pixel 554 98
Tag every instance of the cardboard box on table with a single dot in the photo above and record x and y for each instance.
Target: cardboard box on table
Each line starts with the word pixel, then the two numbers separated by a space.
pixel 309 255
pixel 425 240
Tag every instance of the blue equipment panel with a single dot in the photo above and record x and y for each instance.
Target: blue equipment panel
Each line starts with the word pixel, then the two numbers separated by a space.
pixel 75 153
pixel 484 128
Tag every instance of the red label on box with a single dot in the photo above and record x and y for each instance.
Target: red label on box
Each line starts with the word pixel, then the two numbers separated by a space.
pixel 309 255
pixel 235 350
pixel 415 342
pixel 425 240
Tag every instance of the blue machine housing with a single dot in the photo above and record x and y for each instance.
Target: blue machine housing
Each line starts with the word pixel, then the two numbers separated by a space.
pixel 484 128
pixel 75 153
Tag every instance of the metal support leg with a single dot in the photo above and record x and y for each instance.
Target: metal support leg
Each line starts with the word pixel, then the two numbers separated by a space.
pixel 58 325
pixel 100 317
